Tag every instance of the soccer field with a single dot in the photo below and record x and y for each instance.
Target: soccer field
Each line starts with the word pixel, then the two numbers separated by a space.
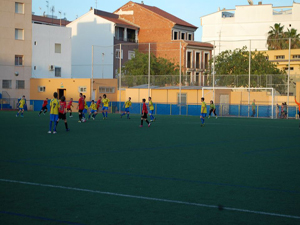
pixel 232 171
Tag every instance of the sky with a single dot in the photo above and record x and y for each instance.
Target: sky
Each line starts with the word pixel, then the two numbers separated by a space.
pixel 188 10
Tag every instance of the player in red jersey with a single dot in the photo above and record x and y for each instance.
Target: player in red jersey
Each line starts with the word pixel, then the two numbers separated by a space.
pixel 44 107
pixel 69 107
pixel 144 112
pixel 99 103
pixel 80 107
pixel 62 112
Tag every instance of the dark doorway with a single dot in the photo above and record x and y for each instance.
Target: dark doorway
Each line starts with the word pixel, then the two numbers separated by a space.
pixel 61 92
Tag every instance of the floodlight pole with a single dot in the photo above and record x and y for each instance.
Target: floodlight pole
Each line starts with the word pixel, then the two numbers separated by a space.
pixel 149 61
pixel 120 77
pixel 289 72
pixel 180 79
pixel 214 73
pixel 249 78
pixel 92 85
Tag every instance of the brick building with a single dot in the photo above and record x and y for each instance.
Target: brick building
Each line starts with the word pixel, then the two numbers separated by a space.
pixel 165 32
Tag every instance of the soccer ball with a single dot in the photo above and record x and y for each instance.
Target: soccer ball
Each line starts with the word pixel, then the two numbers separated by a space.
pixel 83 120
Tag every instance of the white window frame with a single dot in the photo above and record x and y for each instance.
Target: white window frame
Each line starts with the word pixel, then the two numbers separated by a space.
pixel 131 55
pixel 17 63
pixel 191 64
pixel 296 56
pixel 19 34
pixel 18 84
pixel 41 89
pixel 17 5
pixel 57 48
pixel 280 56
pixel 82 89
pixel 118 54
pixel 9 84
pixel 57 72
pixel 291 68
pixel 109 90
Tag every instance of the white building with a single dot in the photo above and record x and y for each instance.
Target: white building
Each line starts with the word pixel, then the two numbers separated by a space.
pixel 97 28
pixel 231 29
pixel 51 49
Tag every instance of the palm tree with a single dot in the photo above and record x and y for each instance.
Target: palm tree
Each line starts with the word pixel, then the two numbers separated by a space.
pixel 295 38
pixel 275 36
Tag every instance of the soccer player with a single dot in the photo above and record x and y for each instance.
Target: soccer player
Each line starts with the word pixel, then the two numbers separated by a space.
pixel 94 110
pixel 22 103
pixel 85 110
pixel 105 106
pixel 144 114
pixel 63 112
pixel 253 108
pixel 44 107
pixel 151 109
pixel 212 108
pixel 299 108
pixel 99 102
pixel 80 106
pixel 203 112
pixel 70 106
pixel 54 104
pixel 127 105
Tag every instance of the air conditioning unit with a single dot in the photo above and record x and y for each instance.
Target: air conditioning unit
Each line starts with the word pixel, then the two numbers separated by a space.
pixel 51 67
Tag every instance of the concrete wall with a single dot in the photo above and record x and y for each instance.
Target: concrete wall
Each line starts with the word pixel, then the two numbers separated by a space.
pixel 44 38
pixel 9 47
pixel 89 30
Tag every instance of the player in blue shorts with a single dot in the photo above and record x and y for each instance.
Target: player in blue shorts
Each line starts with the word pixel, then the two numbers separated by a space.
pixel 127 105
pixel 93 110
pixel 85 110
pixel 22 103
pixel 54 107
pixel 105 102
pixel 203 112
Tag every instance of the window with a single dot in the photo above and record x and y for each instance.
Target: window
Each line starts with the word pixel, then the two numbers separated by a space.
pixel 34 68
pixel 19 34
pixel 19 7
pixel 175 35
pixel 291 68
pixel 20 84
pixel 118 54
pixel 206 60
pixel 296 56
pixel 189 60
pixel 120 33
pixel 57 71
pixel 6 84
pixel 280 57
pixel 131 54
pixel 130 35
pixel 182 36
pixel 267 57
pixel 82 89
pixel 190 37
pixel 57 48
pixel 183 98
pixel 41 88
pixel 35 43
pixel 197 60
pixel 106 90
pixel 18 60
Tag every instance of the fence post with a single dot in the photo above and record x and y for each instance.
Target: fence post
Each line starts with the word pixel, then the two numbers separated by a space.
pixel 257 111
pixel 239 110
pixel 170 109
pixel 155 108
pixel 187 110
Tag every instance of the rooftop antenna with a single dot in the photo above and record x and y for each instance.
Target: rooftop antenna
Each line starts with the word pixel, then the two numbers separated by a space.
pixel 59 18
pixel 250 2
pixel 47 5
pixel 52 11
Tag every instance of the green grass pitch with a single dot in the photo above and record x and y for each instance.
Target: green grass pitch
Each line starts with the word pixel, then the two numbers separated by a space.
pixel 175 172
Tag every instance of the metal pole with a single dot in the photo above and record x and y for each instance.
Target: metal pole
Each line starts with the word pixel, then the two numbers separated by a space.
pixel 289 71
pixel 272 103
pixel 180 79
pixel 149 61
pixel 214 72
pixel 249 79
pixel 92 85
pixel 120 77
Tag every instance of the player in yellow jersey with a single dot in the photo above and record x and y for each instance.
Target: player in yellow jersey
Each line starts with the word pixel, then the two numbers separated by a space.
pixel 54 106
pixel 105 102
pixel 22 103
pixel 94 110
pixel 151 110
pixel 127 105
pixel 203 112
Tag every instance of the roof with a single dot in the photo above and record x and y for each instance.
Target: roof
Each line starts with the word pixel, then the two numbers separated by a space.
pixel 49 21
pixel 114 18
pixel 199 44
pixel 166 15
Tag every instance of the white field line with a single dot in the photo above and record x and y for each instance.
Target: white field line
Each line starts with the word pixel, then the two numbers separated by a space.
pixel 151 199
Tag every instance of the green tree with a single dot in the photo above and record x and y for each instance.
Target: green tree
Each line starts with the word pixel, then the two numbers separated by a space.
pixel 232 69
pixel 275 35
pixel 136 70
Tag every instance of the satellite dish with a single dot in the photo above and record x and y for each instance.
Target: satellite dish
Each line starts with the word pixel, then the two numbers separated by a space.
pixel 16 74
pixel 250 2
